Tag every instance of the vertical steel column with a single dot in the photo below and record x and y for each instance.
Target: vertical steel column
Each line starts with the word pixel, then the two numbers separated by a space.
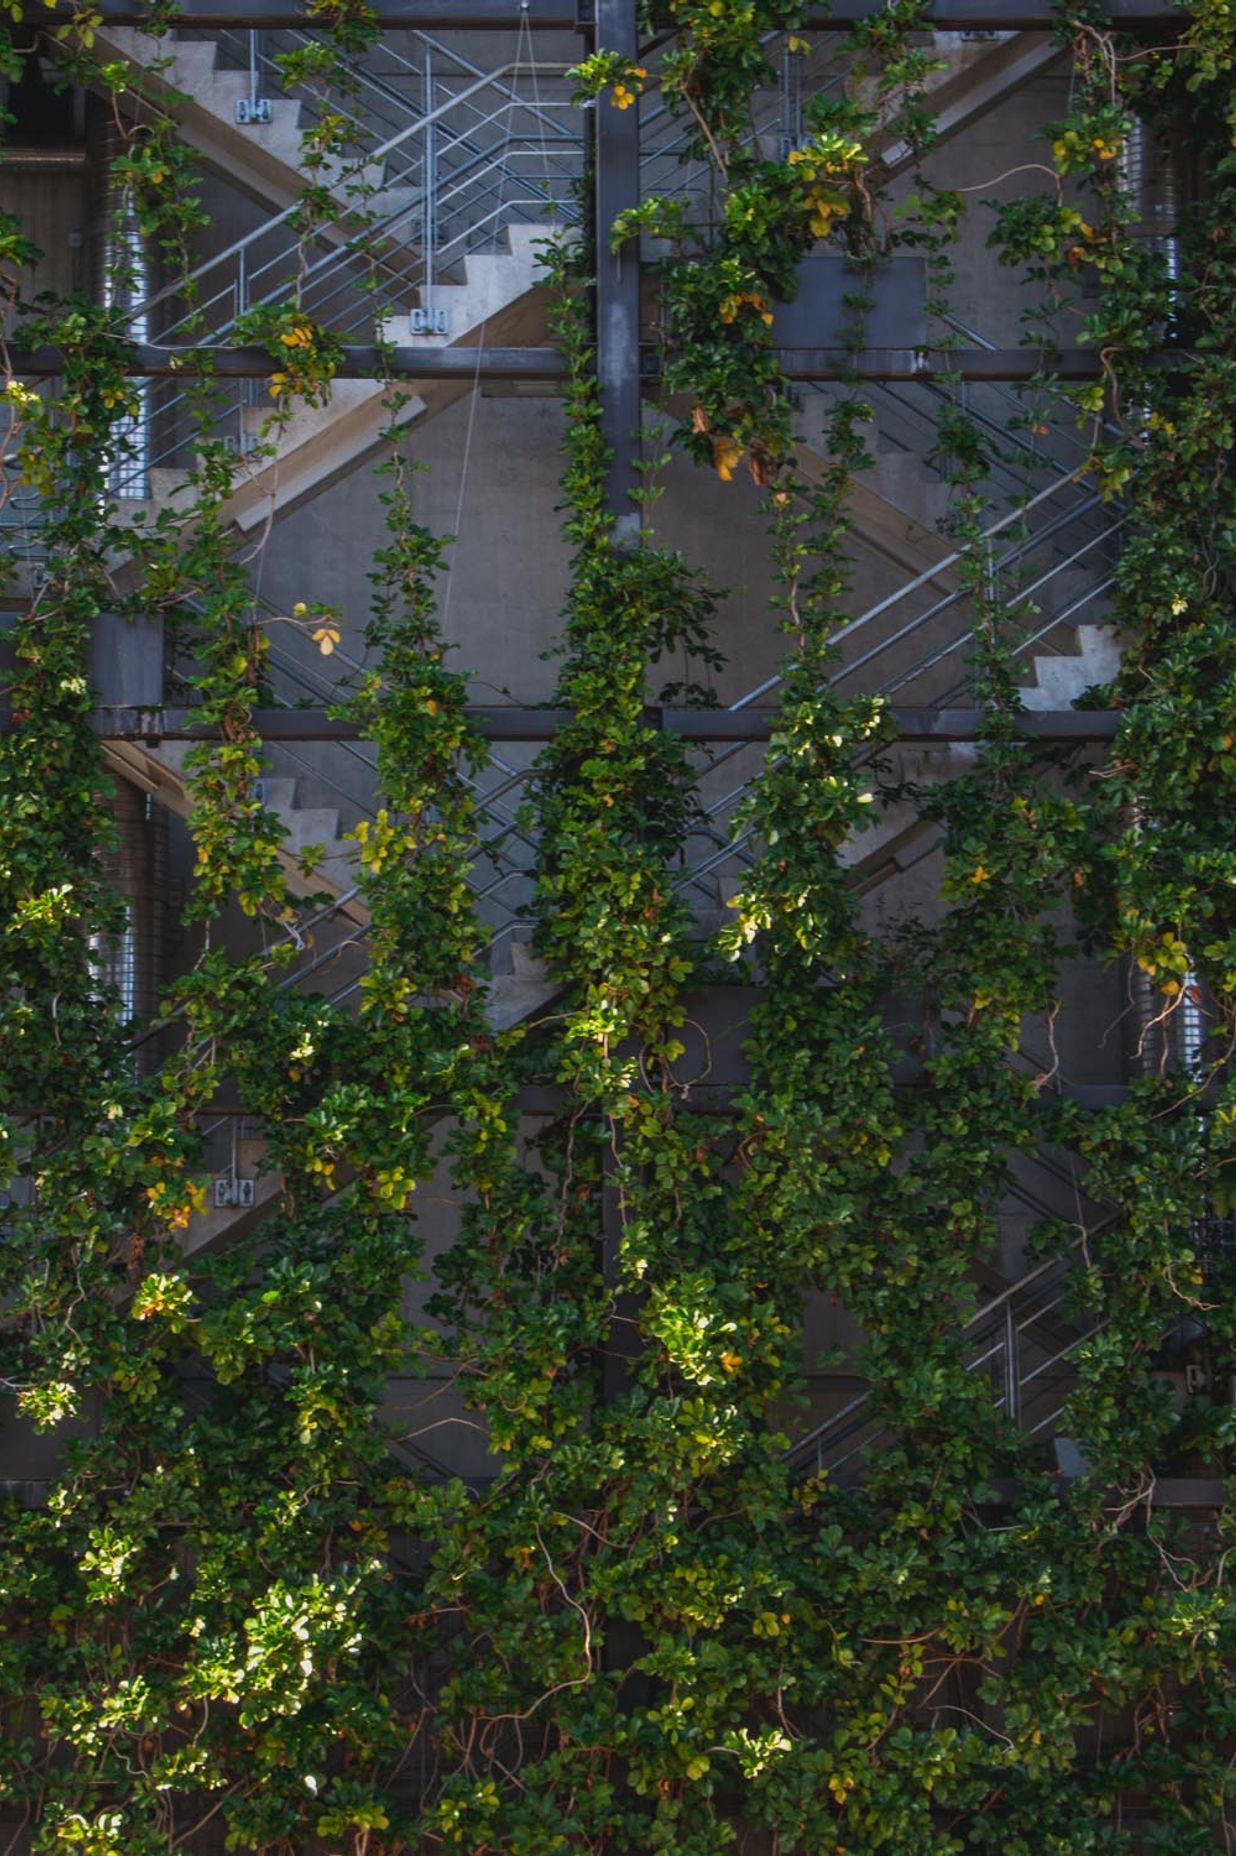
pixel 617 272
pixel 617 337
pixel 617 333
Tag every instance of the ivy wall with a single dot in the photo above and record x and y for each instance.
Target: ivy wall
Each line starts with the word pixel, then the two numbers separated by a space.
pixel 238 1615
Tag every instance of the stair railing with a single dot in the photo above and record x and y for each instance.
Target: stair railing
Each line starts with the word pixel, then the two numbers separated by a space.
pixel 1019 596
pixel 382 104
pixel 349 172
pixel 268 263
pixel 1000 1342
pixel 500 827
pixel 740 846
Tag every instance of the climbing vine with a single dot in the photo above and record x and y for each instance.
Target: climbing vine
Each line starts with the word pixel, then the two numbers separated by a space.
pixel 652 1625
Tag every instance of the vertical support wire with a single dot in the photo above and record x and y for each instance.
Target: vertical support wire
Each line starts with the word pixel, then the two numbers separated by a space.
pixel 617 279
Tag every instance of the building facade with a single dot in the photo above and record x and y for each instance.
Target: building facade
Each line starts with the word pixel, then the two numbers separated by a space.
pixel 618 954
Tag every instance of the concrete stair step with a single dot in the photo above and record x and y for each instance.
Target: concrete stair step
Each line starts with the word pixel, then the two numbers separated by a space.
pixel 263 158
pixel 277 795
pixel 1060 680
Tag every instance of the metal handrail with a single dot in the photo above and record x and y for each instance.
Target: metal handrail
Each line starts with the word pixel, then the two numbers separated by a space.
pixel 389 52
pixel 933 658
pixel 1014 555
pixel 843 1421
pixel 466 212
pixel 736 794
pixel 370 157
pixel 917 583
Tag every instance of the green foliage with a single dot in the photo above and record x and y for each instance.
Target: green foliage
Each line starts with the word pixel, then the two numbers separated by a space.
pixel 645 1631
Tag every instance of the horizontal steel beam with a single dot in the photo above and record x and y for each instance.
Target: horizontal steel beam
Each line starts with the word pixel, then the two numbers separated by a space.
pixel 485 363
pixel 151 362
pixel 518 724
pixel 566 15
pixel 1005 15
pixel 1201 1494
pixel 392 15
pixel 709 1098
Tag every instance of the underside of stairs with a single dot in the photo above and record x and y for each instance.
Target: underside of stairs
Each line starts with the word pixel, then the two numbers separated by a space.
pixel 979 74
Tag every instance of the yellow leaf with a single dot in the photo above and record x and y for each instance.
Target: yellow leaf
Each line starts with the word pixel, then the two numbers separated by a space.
pixel 725 455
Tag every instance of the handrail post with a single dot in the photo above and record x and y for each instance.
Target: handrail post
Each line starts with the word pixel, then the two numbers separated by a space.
pixel 1012 1365
pixel 430 190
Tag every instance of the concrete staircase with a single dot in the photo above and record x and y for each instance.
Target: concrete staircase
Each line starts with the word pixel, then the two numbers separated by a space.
pixel 898 836
pixel 488 295
pixel 499 301
pixel 1056 682
pixel 159 771
pixel 261 158
pixel 513 998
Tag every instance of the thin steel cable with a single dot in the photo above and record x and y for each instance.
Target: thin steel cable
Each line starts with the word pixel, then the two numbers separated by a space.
pixel 522 48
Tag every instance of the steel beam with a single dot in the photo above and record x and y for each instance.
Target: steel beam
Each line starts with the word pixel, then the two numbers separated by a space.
pixel 392 15
pixel 365 362
pixel 517 724
pixel 1007 15
pixel 147 361
pixel 567 15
